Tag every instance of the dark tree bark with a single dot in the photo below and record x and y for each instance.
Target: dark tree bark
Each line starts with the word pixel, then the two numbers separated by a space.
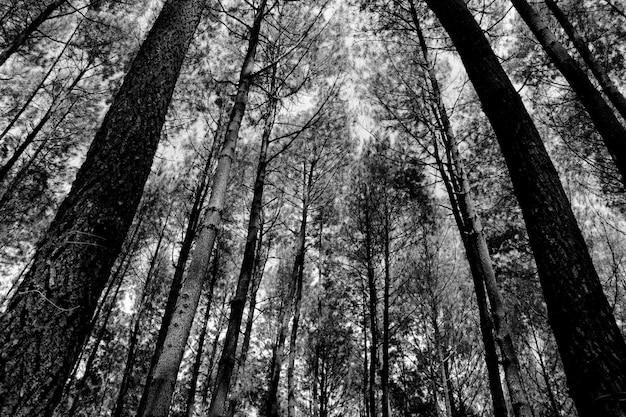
pixel 159 392
pixel 591 346
pixel 48 319
pixel 28 31
pixel 608 126
pixel 372 301
pixel 219 399
pixel 384 372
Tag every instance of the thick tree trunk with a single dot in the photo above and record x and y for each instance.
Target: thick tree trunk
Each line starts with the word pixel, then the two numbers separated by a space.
pixel 219 398
pixel 608 86
pixel 591 346
pixel 159 393
pixel 48 319
pixel 23 36
pixel 190 234
pixel 608 126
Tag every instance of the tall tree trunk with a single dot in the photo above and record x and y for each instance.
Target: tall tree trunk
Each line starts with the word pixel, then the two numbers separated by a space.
pixel 608 86
pixel 134 335
pixel 608 126
pixel 384 373
pixel 443 376
pixel 373 303
pixel 366 396
pixel 48 319
pixel 30 138
pixel 477 253
pixel 590 343
pixel 247 336
pixel 23 36
pixel 195 371
pixel 190 234
pixel 219 398
pixel 298 271
pixel 161 389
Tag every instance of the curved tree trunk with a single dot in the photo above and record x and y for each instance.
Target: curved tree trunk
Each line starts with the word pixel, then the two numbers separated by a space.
pixel 608 126
pixel 590 343
pixel 159 392
pixel 48 319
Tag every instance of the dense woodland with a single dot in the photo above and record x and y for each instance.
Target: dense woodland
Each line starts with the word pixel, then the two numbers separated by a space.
pixel 313 208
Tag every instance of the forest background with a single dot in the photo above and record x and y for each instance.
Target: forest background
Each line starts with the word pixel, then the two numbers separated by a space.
pixel 312 208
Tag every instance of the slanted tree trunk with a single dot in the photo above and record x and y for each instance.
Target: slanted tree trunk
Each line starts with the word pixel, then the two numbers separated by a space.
pixel 608 126
pixel 219 398
pixel 195 371
pixel 159 393
pixel 608 86
pixel 134 335
pixel 590 343
pixel 23 36
pixel 190 234
pixel 48 319
pixel 477 253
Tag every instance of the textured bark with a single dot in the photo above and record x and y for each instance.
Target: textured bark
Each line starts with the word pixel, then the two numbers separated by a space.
pixel 23 36
pixel 190 234
pixel 48 319
pixel 219 398
pixel 608 126
pixel 159 392
pixel 591 346
pixel 608 86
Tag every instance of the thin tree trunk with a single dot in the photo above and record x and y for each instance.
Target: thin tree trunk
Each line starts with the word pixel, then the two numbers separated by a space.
pixel 298 271
pixel 608 126
pixel 162 385
pixel 134 336
pixel 608 86
pixel 48 319
pixel 440 359
pixel 245 345
pixel 590 343
pixel 190 234
pixel 373 305
pixel 195 371
pixel 474 241
pixel 219 403
pixel 30 138
pixel 21 38
pixel 365 361
pixel 384 374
